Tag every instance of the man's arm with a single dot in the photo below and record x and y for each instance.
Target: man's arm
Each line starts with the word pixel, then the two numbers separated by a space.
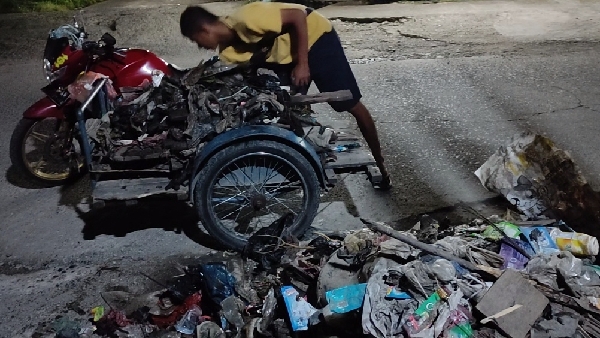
pixel 293 20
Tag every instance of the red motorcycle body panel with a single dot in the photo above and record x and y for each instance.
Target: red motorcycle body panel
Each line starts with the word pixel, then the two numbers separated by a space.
pixel 127 68
pixel 131 67
pixel 75 64
pixel 44 108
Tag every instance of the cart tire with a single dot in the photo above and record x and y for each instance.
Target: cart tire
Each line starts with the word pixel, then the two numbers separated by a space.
pixel 207 178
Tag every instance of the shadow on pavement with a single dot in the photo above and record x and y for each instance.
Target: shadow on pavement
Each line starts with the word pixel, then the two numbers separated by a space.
pixel 16 178
pixel 455 214
pixel 167 215
pixel 120 220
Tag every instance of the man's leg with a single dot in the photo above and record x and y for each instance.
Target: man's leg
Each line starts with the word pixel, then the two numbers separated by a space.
pixel 331 72
pixel 367 128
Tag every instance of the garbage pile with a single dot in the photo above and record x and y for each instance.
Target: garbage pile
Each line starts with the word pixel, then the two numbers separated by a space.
pixel 498 276
pixel 183 113
pixel 468 281
pixel 164 122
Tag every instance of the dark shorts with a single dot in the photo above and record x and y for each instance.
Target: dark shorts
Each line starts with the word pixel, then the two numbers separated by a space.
pixel 330 70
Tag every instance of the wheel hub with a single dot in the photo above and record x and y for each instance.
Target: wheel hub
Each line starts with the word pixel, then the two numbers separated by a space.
pixel 54 149
pixel 258 201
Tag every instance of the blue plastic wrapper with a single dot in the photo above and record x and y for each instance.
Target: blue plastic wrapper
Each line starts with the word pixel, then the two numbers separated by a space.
pixel 460 271
pixel 219 283
pixel 347 298
pixel 394 293
pixel 540 240
pixel 299 310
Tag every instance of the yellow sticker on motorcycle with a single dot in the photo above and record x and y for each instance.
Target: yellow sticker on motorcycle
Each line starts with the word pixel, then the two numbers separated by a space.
pixel 61 60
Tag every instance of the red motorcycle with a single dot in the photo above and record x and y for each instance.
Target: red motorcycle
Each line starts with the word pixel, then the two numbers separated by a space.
pixel 44 144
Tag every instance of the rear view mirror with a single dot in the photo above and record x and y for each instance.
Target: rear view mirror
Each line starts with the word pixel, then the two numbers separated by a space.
pixel 108 39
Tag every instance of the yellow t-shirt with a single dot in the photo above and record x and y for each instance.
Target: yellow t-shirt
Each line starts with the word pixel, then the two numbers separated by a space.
pixel 253 21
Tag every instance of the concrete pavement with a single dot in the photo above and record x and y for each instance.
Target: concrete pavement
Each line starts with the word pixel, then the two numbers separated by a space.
pixel 528 20
pixel 440 113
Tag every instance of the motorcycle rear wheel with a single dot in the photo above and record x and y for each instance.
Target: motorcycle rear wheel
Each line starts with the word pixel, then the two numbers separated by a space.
pixel 248 186
pixel 37 152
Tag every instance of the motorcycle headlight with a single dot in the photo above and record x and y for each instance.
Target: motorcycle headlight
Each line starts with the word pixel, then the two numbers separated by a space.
pixel 47 69
pixel 52 75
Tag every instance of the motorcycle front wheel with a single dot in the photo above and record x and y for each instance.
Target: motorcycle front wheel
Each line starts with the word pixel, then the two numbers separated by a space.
pixel 39 152
pixel 249 186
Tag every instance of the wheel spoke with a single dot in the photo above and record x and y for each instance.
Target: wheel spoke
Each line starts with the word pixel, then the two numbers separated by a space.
pixel 234 184
pixel 246 214
pixel 249 179
pixel 38 165
pixel 285 206
pixel 280 202
pixel 282 187
pixel 39 136
pixel 285 178
pixel 227 200
pixel 253 189
pixel 242 208
pixel 269 177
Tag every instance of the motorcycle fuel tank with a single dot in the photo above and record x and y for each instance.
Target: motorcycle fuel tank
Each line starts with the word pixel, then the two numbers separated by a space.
pixel 130 67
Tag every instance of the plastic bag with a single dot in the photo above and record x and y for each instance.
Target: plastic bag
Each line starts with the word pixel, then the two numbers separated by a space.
pixel 268 311
pixel 347 298
pixel 444 270
pixel 219 283
pixel 187 324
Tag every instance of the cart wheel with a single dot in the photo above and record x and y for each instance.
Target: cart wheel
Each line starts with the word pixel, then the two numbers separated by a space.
pixel 248 186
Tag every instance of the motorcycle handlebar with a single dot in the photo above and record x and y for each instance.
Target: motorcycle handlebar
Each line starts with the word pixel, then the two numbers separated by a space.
pixel 100 48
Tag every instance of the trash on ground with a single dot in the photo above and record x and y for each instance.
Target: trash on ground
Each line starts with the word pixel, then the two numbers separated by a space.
pixel 299 310
pixel 493 277
pixel 576 243
pixel 512 289
pixel 347 298
pixel 542 181
pixel 540 240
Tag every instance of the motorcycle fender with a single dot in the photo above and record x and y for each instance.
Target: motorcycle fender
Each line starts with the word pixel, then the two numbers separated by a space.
pixel 261 132
pixel 44 108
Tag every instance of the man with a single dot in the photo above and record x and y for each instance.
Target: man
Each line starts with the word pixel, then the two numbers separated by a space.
pixel 300 38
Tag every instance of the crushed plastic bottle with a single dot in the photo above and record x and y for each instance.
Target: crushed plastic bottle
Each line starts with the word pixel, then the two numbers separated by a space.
pixel 187 324
pixel 577 243
pixel 346 147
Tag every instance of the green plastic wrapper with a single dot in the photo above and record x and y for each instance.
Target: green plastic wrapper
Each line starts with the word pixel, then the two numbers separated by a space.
pixel 509 229
pixel 461 331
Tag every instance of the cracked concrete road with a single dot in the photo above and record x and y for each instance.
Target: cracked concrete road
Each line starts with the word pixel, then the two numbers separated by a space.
pixel 443 103
pixel 439 120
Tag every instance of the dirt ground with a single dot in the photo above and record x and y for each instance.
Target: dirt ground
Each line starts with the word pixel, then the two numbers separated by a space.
pixel 382 33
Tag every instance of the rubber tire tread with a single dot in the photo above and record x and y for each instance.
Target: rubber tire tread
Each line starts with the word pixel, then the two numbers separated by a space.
pixel 216 163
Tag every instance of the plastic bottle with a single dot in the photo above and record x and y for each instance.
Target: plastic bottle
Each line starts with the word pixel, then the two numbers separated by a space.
pixel 426 313
pixel 576 243
pixel 346 147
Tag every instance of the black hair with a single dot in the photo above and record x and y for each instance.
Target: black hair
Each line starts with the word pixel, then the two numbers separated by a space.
pixel 194 18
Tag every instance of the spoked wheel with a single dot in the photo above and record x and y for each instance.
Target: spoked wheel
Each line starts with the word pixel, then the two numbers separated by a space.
pixel 248 186
pixel 39 149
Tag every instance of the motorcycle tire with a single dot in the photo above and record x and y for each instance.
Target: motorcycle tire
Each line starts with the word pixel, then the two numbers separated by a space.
pixel 17 158
pixel 218 162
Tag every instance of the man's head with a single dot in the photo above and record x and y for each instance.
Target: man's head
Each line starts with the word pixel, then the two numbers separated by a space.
pixel 203 27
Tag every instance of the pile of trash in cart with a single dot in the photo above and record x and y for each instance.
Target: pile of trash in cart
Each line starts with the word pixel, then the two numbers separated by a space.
pixel 529 273
pixel 165 121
